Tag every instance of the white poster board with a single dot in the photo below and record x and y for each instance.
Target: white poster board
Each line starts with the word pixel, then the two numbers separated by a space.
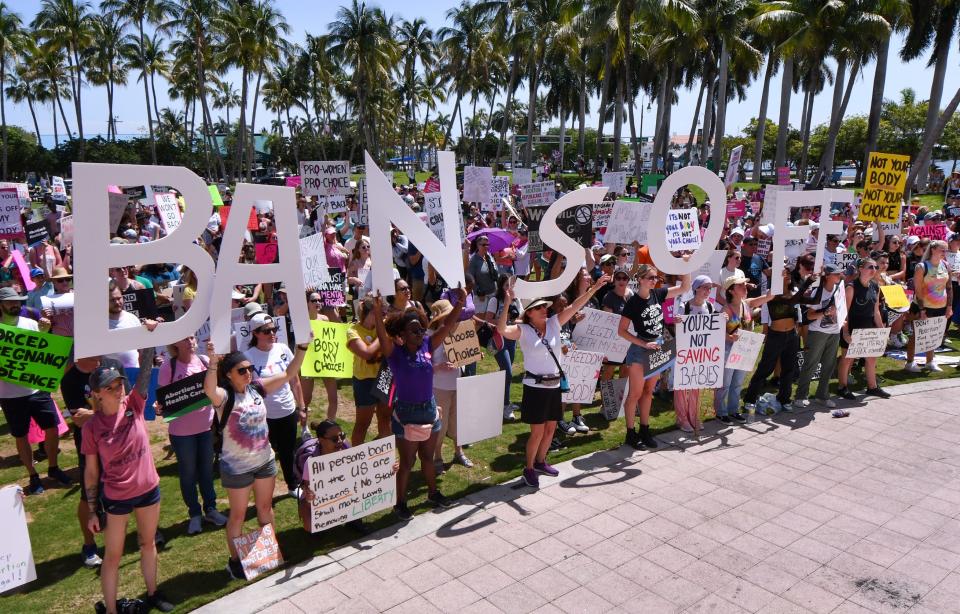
pixel 118 205
pixel 169 210
pixel 16 555
pixel 333 204
pixel 929 333
pixel 615 181
pixel 352 483
pixel 582 370
pixel 868 342
pixel 499 189
pixel 745 350
pixel 597 332
pixel 10 222
pixel 66 231
pixel 539 194
pixel 683 230
pixel 325 178
pixel 480 407
pixel 313 261
pixel 522 176
pixel 628 222
pixel 700 355
pixel 434 210
pixel 477 183
pixel 733 166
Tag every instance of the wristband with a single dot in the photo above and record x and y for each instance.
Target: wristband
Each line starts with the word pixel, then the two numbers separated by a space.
pixel 303 347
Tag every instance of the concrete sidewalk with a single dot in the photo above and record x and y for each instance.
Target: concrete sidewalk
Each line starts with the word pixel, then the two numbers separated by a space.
pixel 799 513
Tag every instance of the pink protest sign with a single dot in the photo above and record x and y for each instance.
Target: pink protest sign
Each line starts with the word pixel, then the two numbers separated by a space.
pixel 266 253
pixel 934 232
pixel 736 208
pixel 294 181
pixel 783 175
pixel 24 270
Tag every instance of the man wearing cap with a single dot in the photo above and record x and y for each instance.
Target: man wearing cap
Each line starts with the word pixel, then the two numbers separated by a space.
pixel 20 403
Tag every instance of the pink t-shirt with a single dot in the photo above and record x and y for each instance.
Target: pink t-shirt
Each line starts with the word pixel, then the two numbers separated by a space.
pixel 123 446
pixel 195 422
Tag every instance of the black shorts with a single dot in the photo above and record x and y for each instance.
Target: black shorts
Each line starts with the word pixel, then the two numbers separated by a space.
pixel 19 410
pixel 125 506
pixel 540 405
pixel 932 312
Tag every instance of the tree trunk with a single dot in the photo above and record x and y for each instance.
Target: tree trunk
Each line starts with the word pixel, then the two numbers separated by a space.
pixel 707 120
pixel 942 53
pixel 658 125
pixel 762 118
pixel 635 144
pixel 841 97
pixel 514 75
pixel 531 107
pixel 617 123
pixel 294 140
pixel 806 120
pixel 930 139
pixel 111 125
pixel 563 134
pixel 56 135
pixel 146 95
pixel 456 110
pixel 209 132
pixel 66 125
pixel 721 103
pixel 582 117
pixel 783 124
pixel 36 125
pixel 693 125
pixel 153 90
pixel 473 120
pixel 604 93
pixel 241 128
pixel 876 105
pixel 76 98
pixel 3 105
pixel 251 152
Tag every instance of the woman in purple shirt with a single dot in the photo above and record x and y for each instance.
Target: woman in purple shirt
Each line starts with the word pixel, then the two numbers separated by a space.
pixel 415 420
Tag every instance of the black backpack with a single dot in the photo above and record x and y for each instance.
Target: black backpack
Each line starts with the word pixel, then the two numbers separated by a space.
pixel 220 423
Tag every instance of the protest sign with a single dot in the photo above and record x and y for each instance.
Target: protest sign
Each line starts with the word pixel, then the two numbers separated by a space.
pixel 332 205
pixel 733 167
pixel 745 351
pixel 16 556
pixel 328 355
pixel 37 232
pixel 23 191
pixel 597 332
pixel 169 211
pixel 353 483
pixel 582 370
pixel 769 209
pixel 23 269
pixel 615 181
pixel 434 210
pixel 736 208
pixel 539 194
pixel 601 214
pixel 215 196
pixel 883 187
pixel 532 217
pixel 499 189
pixel 577 223
pixel 480 407
pixel 612 394
pixel 183 396
pixel 58 191
pixel 325 178
pixel 11 225
pixel 259 551
pixel 265 253
pixel 293 181
pixel 477 184
pixel 700 345
pixel 334 288
pixel 313 261
pixel 461 346
pixel 118 206
pixel 683 230
pixel 660 360
pixel 32 359
pixel 522 176
pixel 868 342
pixel 783 175
pixel 934 232
pixel 431 185
pixel 929 333
pixel 763 247
pixel 243 334
pixel 894 296
pixel 628 222
pixel 141 303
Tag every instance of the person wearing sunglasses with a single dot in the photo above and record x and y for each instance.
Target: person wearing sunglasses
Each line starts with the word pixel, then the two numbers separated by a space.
pixel 285 407
pixel 247 460
pixel 933 297
pixel 315 309
pixel 863 311
pixel 613 302
pixel 541 406
pixel 644 311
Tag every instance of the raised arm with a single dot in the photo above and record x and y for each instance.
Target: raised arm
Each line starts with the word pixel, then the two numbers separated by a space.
pixel 215 393
pixel 386 342
pixel 684 284
pixel 142 385
pixel 276 382
pixel 511 331
pixel 364 350
pixel 564 316
pixel 451 321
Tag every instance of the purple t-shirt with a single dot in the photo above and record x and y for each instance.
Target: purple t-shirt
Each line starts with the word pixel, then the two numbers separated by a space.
pixel 469 309
pixel 412 373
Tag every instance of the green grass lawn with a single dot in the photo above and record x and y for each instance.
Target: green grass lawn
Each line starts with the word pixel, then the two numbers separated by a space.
pixel 192 567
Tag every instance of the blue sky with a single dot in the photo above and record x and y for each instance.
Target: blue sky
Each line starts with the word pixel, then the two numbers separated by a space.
pixel 313 17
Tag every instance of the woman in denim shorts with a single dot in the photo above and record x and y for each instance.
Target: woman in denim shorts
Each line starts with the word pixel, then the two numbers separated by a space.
pixel 415 420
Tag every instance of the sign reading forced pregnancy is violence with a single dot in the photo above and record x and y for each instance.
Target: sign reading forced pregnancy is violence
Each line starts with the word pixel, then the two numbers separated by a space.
pixel 32 359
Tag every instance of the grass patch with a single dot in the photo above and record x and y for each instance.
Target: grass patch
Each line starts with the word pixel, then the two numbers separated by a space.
pixel 192 567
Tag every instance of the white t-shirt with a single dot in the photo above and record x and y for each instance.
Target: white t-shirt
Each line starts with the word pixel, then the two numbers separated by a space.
pixel 494 306
pixel 827 324
pixel 131 358
pixel 536 359
pixel 443 379
pixel 13 391
pixel 280 403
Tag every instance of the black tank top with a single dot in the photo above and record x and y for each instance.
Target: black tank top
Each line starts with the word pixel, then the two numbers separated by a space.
pixel 864 301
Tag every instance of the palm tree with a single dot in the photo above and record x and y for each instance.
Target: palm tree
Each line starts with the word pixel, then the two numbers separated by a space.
pixel 141 13
pixel 226 97
pixel 149 60
pixel 459 43
pixel 236 48
pixel 268 28
pixel 67 24
pixel 415 41
pixel 104 66
pixel 11 39
pixel 46 64
pixel 20 88
pixel 361 36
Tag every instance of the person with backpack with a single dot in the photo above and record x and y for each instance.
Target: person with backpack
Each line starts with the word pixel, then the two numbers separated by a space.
pixel 247 460
pixel 933 297
pixel 192 439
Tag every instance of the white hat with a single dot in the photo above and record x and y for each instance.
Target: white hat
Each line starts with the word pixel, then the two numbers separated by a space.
pixel 767 229
pixel 737 231
pixel 912 240
pixel 261 319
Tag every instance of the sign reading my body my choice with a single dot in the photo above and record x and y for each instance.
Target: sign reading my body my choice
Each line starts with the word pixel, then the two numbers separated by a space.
pixel 325 178
pixel 32 359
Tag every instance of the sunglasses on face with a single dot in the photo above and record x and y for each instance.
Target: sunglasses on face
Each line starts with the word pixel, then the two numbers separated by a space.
pixel 403 289
pixel 870 267
pixel 245 370
pixel 267 331
pixel 621 278
pixel 482 244
pixel 538 308
pixel 337 438
pixel 316 300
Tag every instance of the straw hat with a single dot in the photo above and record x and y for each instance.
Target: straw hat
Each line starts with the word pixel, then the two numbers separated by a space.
pixel 440 310
pixel 737 278
pixel 60 272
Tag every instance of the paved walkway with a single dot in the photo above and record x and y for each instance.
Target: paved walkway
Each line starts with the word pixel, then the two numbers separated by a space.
pixel 801 513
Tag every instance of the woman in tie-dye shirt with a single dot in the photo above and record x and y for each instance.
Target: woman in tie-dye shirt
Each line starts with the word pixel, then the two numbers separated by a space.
pixel 934 295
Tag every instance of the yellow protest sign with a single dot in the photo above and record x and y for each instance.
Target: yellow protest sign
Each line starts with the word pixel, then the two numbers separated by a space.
pixel 895 297
pixel 328 355
pixel 215 196
pixel 883 188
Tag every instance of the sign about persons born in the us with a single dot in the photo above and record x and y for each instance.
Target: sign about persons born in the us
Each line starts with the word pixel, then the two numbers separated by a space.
pixel 352 483
pixel 582 370
pixel 539 194
pixel 700 357
pixel 325 178
pixel 883 187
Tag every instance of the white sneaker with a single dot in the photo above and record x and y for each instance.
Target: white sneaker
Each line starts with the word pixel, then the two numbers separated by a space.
pixel 912 367
pixel 829 403
pixel 800 403
pixel 91 559
pixel 932 366
pixel 194 526
pixel 295 493
pixel 215 517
